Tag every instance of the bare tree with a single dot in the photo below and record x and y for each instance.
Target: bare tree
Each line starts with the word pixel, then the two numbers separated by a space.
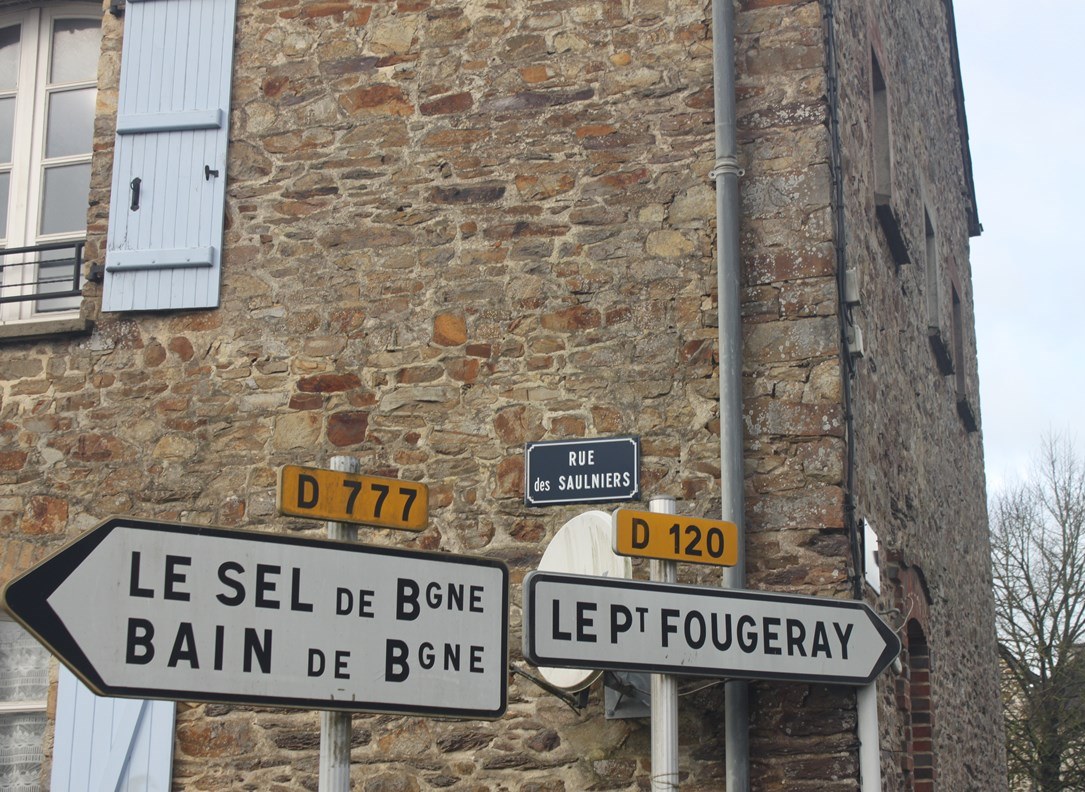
pixel 1038 547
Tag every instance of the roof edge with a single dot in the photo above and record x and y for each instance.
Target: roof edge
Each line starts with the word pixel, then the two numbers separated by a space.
pixel 975 228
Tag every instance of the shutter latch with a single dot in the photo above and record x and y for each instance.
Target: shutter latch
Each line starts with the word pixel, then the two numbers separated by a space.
pixel 208 173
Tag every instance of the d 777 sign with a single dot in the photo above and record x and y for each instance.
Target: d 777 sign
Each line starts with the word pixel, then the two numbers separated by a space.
pixel 321 494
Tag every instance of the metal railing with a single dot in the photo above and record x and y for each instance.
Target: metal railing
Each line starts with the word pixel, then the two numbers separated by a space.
pixel 34 274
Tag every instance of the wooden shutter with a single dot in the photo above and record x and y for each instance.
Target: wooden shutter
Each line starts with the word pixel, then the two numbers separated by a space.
pixel 110 744
pixel 164 249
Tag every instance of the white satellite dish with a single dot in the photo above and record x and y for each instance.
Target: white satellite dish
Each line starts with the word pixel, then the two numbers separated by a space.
pixel 582 547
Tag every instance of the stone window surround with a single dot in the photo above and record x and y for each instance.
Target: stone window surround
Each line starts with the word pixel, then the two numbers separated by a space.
pixel 885 208
pixel 945 329
pixel 942 338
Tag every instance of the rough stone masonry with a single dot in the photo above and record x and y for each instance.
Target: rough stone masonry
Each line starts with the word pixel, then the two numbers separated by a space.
pixel 453 227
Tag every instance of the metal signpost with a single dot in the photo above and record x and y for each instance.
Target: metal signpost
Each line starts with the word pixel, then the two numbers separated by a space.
pixel 664 689
pixel 335 726
pixel 582 471
pixel 586 622
pixel 149 609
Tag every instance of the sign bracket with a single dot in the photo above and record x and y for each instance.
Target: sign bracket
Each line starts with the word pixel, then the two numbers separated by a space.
pixel 576 701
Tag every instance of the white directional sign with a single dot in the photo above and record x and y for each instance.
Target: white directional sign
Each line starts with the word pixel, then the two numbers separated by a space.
pixel 576 621
pixel 164 610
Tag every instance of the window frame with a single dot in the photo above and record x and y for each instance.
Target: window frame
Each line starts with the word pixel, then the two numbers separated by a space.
pixel 29 706
pixel 882 165
pixel 942 345
pixel 29 168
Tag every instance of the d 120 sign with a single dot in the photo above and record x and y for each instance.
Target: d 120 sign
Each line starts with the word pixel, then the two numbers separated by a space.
pixel 672 537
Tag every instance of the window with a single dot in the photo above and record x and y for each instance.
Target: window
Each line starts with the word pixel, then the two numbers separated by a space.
pixel 48 87
pixel 883 181
pixel 964 405
pixel 885 210
pixel 24 683
pixel 940 343
pixel 99 743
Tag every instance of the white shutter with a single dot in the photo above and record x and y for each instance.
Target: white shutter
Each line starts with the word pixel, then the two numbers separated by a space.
pixel 110 744
pixel 164 251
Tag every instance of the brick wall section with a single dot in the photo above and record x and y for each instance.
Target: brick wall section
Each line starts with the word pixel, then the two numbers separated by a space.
pixel 454 227
pixel 921 745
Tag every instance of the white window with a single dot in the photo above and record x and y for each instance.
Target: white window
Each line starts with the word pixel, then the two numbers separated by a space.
pixel 48 79
pixel 24 685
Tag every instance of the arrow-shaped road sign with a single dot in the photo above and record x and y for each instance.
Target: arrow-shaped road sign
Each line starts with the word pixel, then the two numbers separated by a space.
pixel 171 611
pixel 577 621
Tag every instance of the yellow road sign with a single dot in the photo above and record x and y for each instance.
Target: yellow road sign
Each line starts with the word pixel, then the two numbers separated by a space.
pixel 673 537
pixel 320 494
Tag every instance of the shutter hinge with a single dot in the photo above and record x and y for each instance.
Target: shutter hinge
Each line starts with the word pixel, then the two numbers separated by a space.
pixel 116 7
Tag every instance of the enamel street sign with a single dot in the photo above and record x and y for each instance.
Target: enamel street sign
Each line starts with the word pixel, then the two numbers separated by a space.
pixel 320 494
pixel 582 471
pixel 169 611
pixel 576 621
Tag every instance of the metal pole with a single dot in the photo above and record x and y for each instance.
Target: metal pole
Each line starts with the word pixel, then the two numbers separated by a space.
pixel 728 278
pixel 664 686
pixel 335 727
pixel 870 753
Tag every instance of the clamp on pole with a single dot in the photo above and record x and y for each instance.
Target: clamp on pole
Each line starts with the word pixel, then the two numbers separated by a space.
pixel 725 166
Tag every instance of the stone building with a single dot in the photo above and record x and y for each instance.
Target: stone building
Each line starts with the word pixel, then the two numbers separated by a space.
pixel 424 233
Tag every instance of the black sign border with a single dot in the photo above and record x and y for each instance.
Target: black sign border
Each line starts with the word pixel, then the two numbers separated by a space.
pixel 25 598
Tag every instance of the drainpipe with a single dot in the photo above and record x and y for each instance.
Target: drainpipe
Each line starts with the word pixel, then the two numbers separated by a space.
pixel 728 277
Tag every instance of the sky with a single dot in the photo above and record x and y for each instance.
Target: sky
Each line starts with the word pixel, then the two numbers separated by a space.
pixel 1025 101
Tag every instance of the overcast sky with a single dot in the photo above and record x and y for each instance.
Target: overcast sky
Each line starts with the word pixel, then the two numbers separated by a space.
pixel 1026 121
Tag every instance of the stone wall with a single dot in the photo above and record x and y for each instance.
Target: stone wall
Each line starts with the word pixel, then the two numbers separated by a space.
pixel 455 227
pixel 919 466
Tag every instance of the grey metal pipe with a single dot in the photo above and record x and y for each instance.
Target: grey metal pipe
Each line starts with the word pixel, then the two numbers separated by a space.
pixel 728 277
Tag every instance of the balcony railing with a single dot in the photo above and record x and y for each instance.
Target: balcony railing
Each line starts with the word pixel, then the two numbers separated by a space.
pixel 50 274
